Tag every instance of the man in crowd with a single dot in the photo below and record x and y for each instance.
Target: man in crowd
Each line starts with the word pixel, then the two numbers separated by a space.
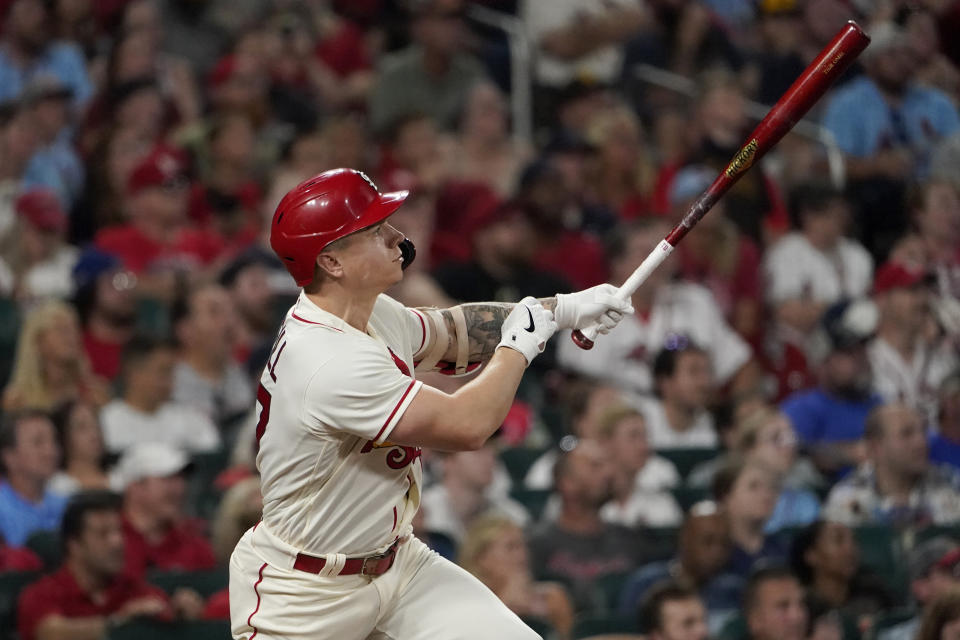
pixel 578 546
pixel 896 485
pixel 945 442
pixel 90 593
pixel 147 412
pixel 28 459
pixel 773 605
pixel 206 377
pixel 703 549
pixel 157 533
pixel 934 569
pixel 672 610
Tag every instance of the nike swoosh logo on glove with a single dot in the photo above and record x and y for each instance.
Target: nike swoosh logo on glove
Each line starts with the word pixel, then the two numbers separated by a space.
pixel 530 328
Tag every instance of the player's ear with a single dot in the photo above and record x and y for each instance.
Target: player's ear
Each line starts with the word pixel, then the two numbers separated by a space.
pixel 329 265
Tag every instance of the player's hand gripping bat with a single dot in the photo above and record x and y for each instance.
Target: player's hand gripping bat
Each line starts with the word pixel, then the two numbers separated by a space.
pixel 808 88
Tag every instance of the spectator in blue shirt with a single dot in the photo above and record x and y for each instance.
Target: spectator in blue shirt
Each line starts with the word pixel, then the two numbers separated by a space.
pixel 48 100
pixel 28 457
pixel 945 441
pixel 829 418
pixel 26 52
pixel 702 552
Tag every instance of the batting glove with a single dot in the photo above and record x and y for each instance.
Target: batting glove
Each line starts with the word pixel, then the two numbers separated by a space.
pixel 527 328
pixel 594 306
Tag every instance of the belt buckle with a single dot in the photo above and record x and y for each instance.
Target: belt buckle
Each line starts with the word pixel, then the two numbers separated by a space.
pixel 377 558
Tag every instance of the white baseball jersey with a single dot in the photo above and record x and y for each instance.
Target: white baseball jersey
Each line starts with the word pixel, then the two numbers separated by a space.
pixel 623 356
pixel 914 382
pixel 328 399
pixel 794 268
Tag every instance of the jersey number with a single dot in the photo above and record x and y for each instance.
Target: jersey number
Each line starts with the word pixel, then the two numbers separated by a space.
pixel 263 396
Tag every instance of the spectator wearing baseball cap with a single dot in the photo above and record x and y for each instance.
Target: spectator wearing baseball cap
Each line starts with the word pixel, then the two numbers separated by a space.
pixel 156 531
pixel 41 261
pixel 158 236
pixel 934 569
pixel 829 419
pixel 907 365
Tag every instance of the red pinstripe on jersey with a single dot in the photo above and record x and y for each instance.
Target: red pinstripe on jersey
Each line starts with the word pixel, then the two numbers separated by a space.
pixel 395 409
pixel 256 591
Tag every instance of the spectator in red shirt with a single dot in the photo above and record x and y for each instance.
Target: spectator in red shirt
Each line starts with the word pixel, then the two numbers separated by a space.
pixel 158 237
pixel 156 532
pixel 90 593
pixel 18 559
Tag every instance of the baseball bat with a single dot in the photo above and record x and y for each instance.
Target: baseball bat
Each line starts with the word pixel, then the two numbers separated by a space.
pixel 849 42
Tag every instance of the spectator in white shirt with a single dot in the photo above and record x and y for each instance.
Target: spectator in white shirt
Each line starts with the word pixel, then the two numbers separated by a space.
pixel 146 412
pixel 678 417
pixel 641 480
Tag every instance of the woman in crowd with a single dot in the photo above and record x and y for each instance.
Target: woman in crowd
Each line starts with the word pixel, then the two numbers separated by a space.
pixel 495 551
pixel 82 466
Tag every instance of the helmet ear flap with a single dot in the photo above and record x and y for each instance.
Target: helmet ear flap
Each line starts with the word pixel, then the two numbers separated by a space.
pixel 409 252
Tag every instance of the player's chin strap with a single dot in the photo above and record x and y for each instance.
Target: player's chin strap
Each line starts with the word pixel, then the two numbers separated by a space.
pixel 430 361
pixel 409 252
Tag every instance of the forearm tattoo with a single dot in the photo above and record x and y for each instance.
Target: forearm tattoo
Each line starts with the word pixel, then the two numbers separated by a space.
pixel 483 326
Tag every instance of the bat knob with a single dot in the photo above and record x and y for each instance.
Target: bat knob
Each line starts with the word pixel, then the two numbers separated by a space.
pixel 581 340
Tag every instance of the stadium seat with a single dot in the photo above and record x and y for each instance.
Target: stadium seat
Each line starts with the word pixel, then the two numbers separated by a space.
pixel 533 499
pixel 686 459
pixel 11 584
pixel 610 587
pixel 46 544
pixel 587 626
pixel 686 497
pixel 880 550
pixel 204 494
pixel 149 630
pixel 518 461
pixel 203 582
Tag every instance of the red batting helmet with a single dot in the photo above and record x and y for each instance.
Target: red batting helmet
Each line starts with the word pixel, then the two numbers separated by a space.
pixel 322 209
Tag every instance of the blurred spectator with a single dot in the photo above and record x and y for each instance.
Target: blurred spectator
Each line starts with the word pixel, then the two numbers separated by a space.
pixel 190 31
pixel 673 611
pixel 15 559
pixel 887 125
pixel 239 509
pixel 107 308
pixel 156 532
pixel 503 249
pixel 773 605
pixel 83 455
pixel 51 366
pixel 718 256
pixel 746 491
pixel 826 558
pixel 809 269
pixel 780 58
pixel 49 101
pixel 578 547
pixel 433 75
pixel 640 479
pixel 932 67
pixel 935 243
pixel 942 620
pixel 683 380
pixel 495 551
pixel 249 282
pixel 897 485
pixel 703 549
pixel 465 491
pixel 158 236
pixel 483 150
pixel 39 257
pixel 28 459
pixel 146 412
pixel 90 593
pixel 621 175
pixel 766 435
pixel 945 163
pixel 664 309
pixel 29 52
pixel 908 363
pixel 934 569
pixel 719 124
pixel 207 377
pixel 829 418
pixel 415 156
pixel 945 440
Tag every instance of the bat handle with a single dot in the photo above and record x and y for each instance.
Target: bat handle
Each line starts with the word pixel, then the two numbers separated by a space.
pixel 584 338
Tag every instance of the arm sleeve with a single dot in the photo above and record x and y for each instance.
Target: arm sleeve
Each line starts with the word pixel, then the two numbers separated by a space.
pixel 365 396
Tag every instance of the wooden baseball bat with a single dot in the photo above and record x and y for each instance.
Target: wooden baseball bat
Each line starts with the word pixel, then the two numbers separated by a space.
pixel 808 88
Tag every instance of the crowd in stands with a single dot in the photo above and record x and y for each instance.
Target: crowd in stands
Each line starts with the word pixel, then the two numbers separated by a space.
pixel 769 448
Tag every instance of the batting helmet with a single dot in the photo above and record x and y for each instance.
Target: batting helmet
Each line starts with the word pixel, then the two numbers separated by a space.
pixel 325 208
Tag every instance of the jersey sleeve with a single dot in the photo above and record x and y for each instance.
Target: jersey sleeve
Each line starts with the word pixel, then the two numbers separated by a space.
pixel 414 328
pixel 365 396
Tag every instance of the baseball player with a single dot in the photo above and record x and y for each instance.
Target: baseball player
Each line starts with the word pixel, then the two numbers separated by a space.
pixel 342 419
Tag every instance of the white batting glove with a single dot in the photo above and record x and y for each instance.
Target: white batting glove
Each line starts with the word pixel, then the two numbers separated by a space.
pixel 527 328
pixel 597 305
